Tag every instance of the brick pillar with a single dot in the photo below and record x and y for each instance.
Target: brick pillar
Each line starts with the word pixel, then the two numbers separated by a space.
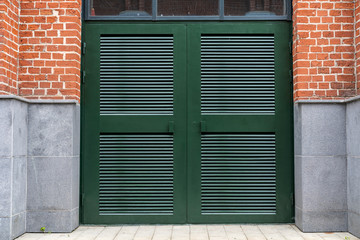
pixel 50 37
pixel 323 49
pixel 9 46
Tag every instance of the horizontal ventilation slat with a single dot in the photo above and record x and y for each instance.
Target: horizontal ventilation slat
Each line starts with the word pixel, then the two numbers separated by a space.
pixel 237 74
pixel 238 174
pixel 136 75
pixel 136 174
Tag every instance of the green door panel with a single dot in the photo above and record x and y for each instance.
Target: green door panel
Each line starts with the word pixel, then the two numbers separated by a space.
pixel 187 123
pixel 239 123
pixel 134 134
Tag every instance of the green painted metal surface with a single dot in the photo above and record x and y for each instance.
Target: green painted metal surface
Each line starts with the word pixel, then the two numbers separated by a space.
pixel 238 173
pixel 136 174
pixel 187 122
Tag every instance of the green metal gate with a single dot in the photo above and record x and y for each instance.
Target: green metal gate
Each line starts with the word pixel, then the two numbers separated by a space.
pixel 186 123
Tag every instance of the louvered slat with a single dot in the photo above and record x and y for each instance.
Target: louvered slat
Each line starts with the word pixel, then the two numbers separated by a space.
pixel 136 74
pixel 136 174
pixel 237 74
pixel 238 174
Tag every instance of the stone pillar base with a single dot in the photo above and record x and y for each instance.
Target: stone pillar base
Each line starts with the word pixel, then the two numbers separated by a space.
pixel 39 166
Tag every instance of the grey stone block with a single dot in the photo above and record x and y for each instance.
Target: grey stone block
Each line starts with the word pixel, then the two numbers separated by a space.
pixel 6 124
pixel 50 130
pixel 315 221
pixel 354 224
pixel 18 226
pixel 324 183
pixel 323 131
pixel 298 218
pixel 19 128
pixel 19 178
pixel 75 218
pixel 47 183
pixel 5 186
pixel 298 182
pixel 75 182
pixel 327 140
pixel 54 221
pixel 50 183
pixel 76 131
pixel 297 129
pixel 353 150
pixel 5 231
pixel 353 187
pixel 353 128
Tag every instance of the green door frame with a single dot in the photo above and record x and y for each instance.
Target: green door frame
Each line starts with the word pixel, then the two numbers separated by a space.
pixel 187 120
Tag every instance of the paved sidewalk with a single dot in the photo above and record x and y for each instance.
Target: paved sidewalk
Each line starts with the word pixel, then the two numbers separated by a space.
pixel 189 232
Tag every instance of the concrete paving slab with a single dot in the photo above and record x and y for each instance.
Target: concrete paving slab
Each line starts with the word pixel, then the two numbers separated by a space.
pixel 190 232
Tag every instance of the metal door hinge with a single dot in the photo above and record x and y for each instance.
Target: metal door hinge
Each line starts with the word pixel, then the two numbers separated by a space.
pixel 82 199
pixel 84 48
pixel 83 76
pixel 292 199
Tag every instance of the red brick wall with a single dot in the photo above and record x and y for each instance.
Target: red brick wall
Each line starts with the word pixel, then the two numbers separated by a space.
pixel 357 44
pixel 323 49
pixel 50 48
pixel 40 50
pixel 9 46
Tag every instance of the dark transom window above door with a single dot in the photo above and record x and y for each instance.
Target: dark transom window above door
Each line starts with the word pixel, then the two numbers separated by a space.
pixel 187 10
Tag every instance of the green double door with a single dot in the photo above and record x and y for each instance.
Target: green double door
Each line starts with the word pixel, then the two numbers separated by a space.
pixel 186 123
